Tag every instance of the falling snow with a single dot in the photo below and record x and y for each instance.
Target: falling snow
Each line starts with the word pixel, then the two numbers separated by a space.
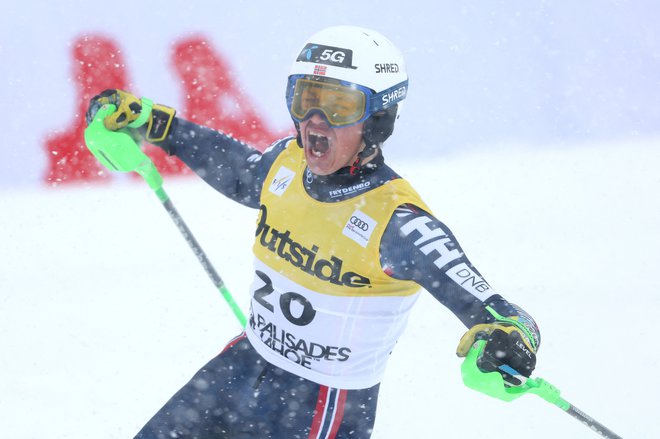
pixel 106 312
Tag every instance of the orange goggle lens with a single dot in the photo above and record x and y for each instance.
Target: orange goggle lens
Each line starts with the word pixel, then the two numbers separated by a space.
pixel 341 104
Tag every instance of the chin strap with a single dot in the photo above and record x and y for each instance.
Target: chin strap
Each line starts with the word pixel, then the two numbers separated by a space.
pixel 298 134
pixel 367 152
pixel 377 129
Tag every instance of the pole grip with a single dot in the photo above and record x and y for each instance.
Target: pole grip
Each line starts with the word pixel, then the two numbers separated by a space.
pixel 119 151
pixel 492 384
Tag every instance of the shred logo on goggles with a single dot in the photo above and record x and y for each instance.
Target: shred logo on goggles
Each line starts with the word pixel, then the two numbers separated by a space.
pixel 332 56
pixel 395 95
pixel 304 258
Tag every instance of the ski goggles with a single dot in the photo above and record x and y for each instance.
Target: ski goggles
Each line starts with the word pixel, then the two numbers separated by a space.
pixel 342 103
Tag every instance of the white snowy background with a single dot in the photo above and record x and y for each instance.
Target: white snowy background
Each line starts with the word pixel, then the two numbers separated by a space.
pixel 106 312
pixel 531 129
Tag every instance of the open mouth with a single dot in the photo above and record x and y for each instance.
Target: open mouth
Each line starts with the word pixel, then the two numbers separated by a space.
pixel 318 144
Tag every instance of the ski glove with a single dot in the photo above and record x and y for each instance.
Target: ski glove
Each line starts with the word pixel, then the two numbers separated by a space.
pixel 133 112
pixel 511 346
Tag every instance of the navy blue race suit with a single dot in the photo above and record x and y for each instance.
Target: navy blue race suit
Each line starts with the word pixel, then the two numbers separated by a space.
pixel 238 394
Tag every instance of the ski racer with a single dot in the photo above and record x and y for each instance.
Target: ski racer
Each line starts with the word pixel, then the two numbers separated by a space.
pixel 342 247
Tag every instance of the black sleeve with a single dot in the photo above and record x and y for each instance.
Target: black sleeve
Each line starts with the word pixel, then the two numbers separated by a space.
pixel 417 246
pixel 231 167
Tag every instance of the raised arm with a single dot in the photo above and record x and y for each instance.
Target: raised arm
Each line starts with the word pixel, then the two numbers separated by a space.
pixel 230 166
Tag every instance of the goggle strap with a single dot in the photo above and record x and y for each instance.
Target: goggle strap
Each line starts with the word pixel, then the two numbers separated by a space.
pixel 389 97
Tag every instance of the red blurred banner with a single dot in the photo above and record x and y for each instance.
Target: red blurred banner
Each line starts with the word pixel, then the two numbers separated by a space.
pixel 212 97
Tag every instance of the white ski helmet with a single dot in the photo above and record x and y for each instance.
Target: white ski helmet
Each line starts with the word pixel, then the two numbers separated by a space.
pixel 350 58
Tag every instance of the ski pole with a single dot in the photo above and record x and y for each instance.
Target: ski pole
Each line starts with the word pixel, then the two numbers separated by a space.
pixel 119 151
pixel 492 384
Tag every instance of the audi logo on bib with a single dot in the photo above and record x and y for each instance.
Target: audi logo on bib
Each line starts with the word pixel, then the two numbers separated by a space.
pixel 359 227
pixel 357 222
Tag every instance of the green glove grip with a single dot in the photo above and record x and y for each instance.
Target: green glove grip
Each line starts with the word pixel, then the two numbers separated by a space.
pixel 119 150
pixel 492 383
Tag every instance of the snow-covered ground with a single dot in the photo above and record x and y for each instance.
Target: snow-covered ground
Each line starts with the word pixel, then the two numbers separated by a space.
pixel 105 312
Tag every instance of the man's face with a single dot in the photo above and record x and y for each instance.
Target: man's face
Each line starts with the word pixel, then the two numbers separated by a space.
pixel 328 149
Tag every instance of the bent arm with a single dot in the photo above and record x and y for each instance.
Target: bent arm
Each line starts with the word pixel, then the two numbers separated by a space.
pixel 417 246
